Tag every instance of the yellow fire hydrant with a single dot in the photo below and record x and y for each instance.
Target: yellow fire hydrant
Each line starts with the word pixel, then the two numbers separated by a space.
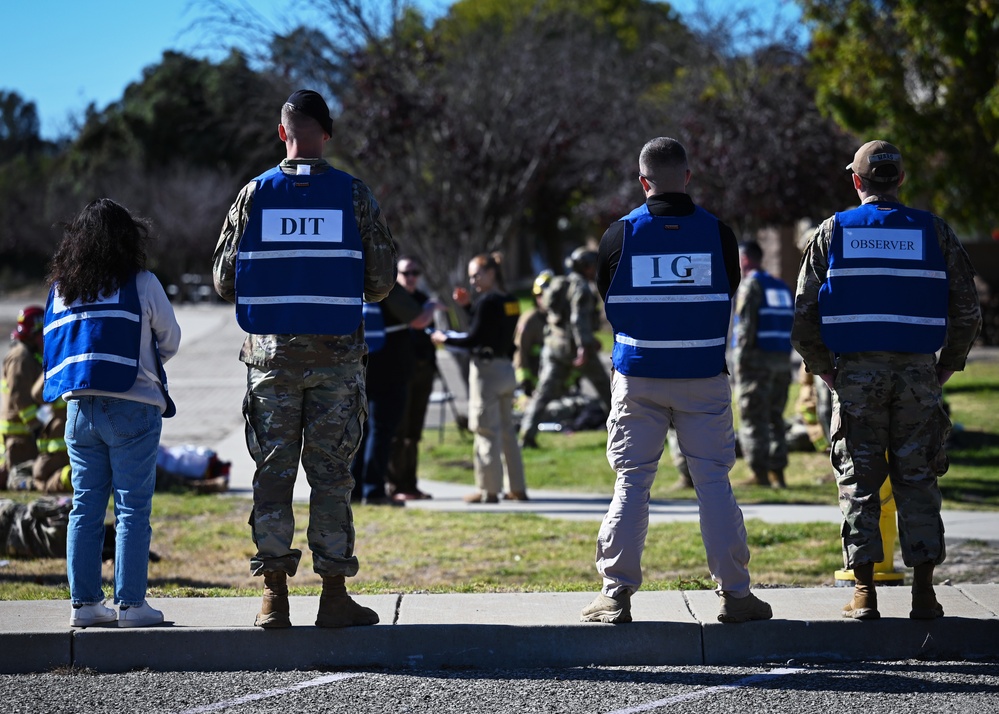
pixel 884 572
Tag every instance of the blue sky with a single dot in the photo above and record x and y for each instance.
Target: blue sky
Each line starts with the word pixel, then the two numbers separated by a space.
pixel 64 54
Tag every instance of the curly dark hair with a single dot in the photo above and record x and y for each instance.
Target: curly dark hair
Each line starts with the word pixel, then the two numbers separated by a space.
pixel 102 247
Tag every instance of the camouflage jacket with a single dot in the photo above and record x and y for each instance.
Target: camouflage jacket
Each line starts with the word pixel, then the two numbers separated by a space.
pixel 964 315
pixel 270 351
pixel 573 315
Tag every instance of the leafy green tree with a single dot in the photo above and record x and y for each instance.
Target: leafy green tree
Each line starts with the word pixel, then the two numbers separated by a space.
pixel 176 148
pixel 26 162
pixel 924 75
pixel 19 127
pixel 185 111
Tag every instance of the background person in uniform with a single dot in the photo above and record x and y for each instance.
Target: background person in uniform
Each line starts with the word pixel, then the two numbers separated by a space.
pixel 109 327
pixel 881 288
pixel 491 380
pixel 22 366
pixel 387 377
pixel 667 272
pixel 761 357
pixel 573 318
pixel 402 469
pixel 529 337
pixel 304 352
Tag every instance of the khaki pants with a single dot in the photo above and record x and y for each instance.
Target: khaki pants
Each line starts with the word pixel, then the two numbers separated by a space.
pixel 490 417
pixel 701 412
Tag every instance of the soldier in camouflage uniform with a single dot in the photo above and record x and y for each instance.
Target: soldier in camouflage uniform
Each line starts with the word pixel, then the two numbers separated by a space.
pixel 761 357
pixel 570 341
pixel 305 392
pixel 529 337
pixel 881 288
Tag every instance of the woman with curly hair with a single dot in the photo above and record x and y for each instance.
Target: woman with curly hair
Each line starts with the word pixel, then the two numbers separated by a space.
pixel 108 329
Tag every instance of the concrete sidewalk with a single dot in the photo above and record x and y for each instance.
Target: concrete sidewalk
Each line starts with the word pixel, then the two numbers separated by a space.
pixel 490 631
pixel 514 630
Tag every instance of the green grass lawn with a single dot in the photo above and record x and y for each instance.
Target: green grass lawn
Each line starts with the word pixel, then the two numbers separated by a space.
pixel 204 543
pixel 577 462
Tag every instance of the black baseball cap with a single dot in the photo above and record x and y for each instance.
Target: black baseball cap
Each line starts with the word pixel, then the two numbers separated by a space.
pixel 311 104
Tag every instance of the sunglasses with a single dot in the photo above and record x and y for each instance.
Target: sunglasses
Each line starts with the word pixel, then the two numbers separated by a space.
pixel 411 273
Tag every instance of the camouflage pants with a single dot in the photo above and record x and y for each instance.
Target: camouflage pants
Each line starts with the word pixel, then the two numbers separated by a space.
pixel 889 422
pixel 761 393
pixel 555 374
pixel 317 414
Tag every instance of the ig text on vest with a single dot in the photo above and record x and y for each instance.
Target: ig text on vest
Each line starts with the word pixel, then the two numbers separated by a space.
pixel 92 345
pixel 886 289
pixel 775 316
pixel 300 266
pixel 668 302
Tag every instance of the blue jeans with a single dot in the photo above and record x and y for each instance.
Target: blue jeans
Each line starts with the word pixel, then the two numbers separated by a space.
pixel 112 447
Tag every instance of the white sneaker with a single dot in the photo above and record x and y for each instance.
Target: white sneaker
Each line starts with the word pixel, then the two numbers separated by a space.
pixel 89 615
pixel 139 616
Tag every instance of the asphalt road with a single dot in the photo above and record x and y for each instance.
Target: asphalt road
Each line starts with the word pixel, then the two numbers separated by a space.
pixel 798 688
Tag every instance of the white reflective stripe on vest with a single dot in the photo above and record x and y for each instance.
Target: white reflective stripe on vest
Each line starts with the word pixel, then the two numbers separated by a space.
pixel 303 253
pixel 898 319
pixel 890 272
pixel 91 315
pixel 712 297
pixel 773 334
pixel 299 299
pixel 668 344
pixel 89 357
pixel 776 311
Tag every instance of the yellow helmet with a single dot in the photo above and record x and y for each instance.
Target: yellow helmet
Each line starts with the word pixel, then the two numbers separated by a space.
pixel 542 281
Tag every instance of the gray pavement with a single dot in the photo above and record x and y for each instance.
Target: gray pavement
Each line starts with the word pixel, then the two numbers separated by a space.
pixel 423 631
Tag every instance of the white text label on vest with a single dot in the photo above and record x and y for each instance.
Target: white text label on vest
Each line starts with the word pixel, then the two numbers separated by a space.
pixel 302 225
pixel 686 269
pixel 889 243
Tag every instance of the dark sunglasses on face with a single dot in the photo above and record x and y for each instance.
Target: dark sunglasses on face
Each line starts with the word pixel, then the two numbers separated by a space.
pixel 411 273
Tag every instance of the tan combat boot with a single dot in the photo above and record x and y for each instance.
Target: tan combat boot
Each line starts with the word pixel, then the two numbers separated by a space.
pixel 864 605
pixel 274 610
pixel 777 479
pixel 924 600
pixel 336 609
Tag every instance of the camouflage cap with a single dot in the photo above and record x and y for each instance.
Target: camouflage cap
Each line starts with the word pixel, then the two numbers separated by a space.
pixel 877 161
pixel 312 104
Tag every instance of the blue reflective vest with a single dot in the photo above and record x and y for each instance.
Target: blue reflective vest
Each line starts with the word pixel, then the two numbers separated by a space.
pixel 92 345
pixel 775 316
pixel 886 289
pixel 668 301
pixel 300 266
pixel 374 326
